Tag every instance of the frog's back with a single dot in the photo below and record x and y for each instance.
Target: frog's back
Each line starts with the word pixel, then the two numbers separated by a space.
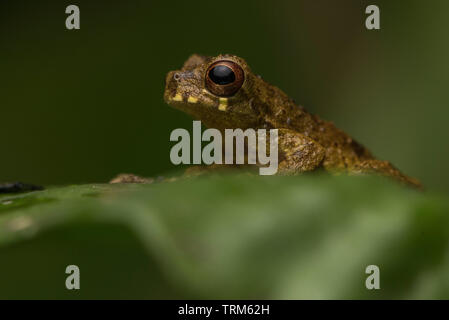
pixel 342 151
pixel 345 153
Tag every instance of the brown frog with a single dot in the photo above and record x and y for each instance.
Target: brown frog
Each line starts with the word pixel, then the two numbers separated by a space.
pixel 223 92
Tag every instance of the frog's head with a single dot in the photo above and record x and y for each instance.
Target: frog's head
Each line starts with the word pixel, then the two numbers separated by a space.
pixel 220 91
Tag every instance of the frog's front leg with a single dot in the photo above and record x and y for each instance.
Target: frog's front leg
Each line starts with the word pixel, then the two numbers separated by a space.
pixel 298 153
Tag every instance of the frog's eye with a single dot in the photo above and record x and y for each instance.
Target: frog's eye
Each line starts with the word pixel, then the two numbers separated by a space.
pixel 224 78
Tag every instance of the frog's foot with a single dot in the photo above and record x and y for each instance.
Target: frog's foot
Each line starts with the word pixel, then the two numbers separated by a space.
pixel 384 168
pixel 18 187
pixel 130 178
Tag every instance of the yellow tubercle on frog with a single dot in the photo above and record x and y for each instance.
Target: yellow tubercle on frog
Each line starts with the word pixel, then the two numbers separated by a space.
pixel 177 97
pixel 223 105
pixel 192 99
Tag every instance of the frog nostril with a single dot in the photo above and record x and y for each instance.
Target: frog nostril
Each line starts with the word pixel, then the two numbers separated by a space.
pixel 177 76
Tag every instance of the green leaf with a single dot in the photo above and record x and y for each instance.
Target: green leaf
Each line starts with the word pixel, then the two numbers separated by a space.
pixel 223 237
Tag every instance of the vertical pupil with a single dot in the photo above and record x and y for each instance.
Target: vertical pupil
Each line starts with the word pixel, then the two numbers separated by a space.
pixel 222 75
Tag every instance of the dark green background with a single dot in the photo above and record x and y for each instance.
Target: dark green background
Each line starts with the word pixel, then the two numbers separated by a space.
pixel 82 106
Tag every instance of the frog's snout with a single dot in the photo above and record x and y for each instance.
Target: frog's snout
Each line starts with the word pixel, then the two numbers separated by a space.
pixel 181 87
pixel 180 75
pixel 171 85
pixel 171 79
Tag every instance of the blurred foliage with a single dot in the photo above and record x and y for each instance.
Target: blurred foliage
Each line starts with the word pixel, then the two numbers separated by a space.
pixel 82 106
pixel 226 237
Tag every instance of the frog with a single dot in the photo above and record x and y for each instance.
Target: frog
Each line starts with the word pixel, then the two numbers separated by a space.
pixel 223 93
